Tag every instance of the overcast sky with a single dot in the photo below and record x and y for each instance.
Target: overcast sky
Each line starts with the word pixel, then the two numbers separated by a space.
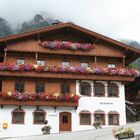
pixel 118 19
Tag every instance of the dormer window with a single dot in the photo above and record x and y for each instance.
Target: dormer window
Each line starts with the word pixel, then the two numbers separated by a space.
pixel 65 63
pixel 41 62
pixel 112 66
pixel 84 64
pixel 20 61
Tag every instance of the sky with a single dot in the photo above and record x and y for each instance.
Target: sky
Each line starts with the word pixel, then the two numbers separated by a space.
pixel 118 19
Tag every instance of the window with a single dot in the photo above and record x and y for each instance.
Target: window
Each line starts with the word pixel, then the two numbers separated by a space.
pixel 84 64
pixel 113 118
pixel 85 118
pixel 40 87
pixel 65 63
pixel 112 90
pixel 39 116
pixel 99 115
pixel 18 116
pixel 19 86
pixel 65 88
pixel 40 62
pixel 111 66
pixel 20 61
pixel 99 89
pixel 65 119
pixel 85 89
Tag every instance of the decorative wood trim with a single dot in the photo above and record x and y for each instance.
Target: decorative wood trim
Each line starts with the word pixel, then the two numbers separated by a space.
pixel 37 102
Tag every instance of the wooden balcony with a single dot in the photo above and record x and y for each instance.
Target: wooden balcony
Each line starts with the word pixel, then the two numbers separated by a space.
pixel 68 76
pixel 38 103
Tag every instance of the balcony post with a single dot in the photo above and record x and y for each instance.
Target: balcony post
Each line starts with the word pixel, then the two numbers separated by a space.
pixel 5 54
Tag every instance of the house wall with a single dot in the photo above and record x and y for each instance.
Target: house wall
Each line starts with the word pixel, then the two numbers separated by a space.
pixel 30 83
pixel 91 104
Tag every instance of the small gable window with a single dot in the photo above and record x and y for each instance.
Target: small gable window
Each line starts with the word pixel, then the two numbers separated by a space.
pixel 41 62
pixel 20 61
pixel 65 63
pixel 112 66
pixel 84 64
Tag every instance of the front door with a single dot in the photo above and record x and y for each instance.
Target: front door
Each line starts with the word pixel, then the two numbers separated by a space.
pixel 65 121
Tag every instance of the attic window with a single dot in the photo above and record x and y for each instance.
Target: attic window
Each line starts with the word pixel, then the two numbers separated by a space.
pixel 20 61
pixel 111 66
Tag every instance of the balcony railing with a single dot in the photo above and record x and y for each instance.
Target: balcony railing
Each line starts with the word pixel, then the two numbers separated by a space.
pixel 68 72
pixel 17 98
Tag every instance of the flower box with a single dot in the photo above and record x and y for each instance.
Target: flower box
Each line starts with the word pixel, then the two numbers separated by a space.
pixel 123 133
pixel 124 136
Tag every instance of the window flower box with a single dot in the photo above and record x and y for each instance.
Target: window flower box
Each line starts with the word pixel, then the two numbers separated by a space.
pixel 123 133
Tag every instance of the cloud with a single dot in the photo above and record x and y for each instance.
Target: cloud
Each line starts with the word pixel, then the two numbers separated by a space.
pixel 116 19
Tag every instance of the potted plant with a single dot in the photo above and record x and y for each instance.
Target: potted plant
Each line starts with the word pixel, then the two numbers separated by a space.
pixel 97 124
pixel 122 133
pixel 46 129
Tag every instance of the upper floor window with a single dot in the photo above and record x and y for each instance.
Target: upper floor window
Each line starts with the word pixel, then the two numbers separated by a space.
pixel 111 66
pixel 113 90
pixel 85 89
pixel 20 61
pixel 39 116
pixel 99 89
pixel 99 115
pixel 40 87
pixel 113 117
pixel 18 116
pixel 85 118
pixel 19 86
pixel 66 63
pixel 65 88
pixel 41 62
pixel 84 64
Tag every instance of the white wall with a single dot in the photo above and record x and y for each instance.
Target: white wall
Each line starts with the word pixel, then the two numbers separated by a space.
pixel 85 103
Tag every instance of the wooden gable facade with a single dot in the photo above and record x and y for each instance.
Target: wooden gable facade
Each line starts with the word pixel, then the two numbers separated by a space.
pixel 28 46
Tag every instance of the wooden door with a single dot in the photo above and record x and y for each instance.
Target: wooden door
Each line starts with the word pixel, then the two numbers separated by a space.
pixel 65 121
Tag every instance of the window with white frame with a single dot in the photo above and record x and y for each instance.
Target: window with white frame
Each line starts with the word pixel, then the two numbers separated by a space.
pixel 113 90
pixel 41 62
pixel 84 64
pixel 65 63
pixel 112 66
pixel 99 89
pixel 20 61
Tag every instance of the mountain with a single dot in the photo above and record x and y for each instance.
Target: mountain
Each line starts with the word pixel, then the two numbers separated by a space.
pixel 37 21
pixel 5 28
pixel 135 44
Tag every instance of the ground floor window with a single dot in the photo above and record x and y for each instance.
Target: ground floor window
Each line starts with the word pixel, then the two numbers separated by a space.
pixel 85 118
pixel 39 116
pixel 99 117
pixel 18 116
pixel 113 118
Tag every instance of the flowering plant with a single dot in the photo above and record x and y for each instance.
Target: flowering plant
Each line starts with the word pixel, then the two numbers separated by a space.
pixel 67 45
pixel 120 132
pixel 68 69
pixel 97 124
pixel 41 96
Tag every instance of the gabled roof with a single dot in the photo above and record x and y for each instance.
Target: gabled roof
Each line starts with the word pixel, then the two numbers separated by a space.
pixel 75 27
